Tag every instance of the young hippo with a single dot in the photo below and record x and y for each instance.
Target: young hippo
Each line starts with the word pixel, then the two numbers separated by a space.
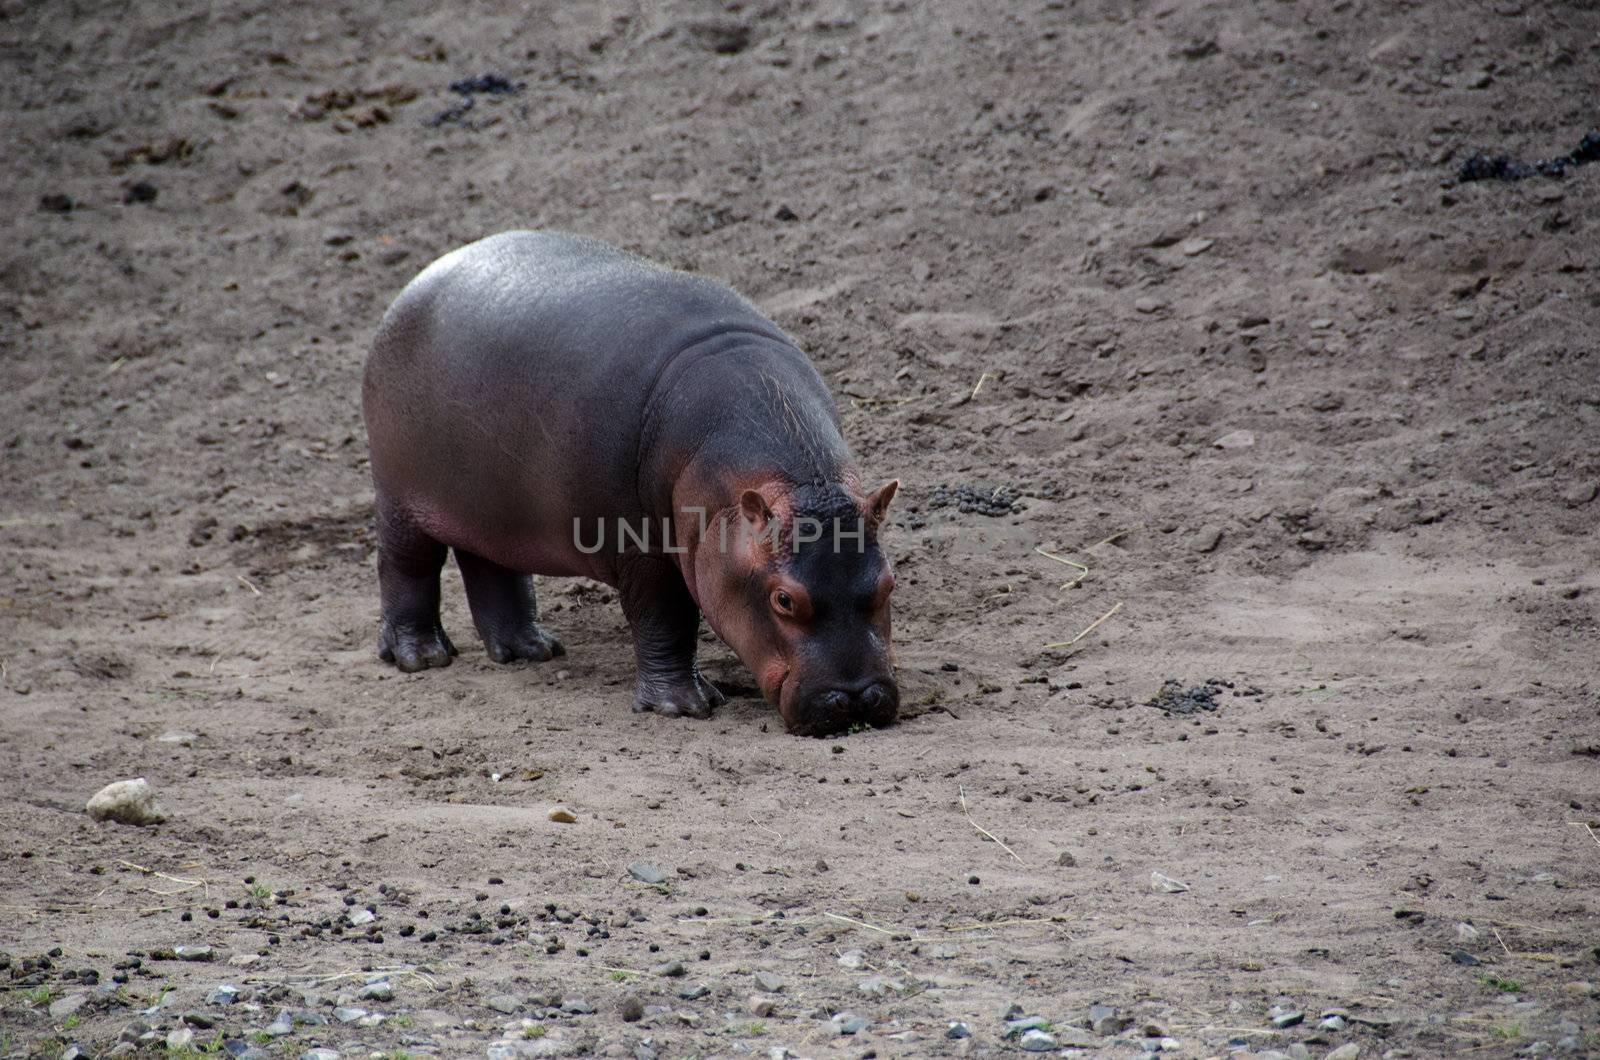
pixel 543 403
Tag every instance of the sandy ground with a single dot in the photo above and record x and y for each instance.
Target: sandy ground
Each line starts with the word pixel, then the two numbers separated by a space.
pixel 1190 277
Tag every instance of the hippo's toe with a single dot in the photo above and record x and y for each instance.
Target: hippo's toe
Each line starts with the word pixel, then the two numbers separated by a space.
pixel 687 699
pixel 415 649
pixel 532 643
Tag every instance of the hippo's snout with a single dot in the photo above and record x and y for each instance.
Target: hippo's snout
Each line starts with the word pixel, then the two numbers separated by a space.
pixel 824 712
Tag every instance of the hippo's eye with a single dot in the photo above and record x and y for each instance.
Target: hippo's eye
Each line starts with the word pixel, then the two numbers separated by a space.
pixel 782 602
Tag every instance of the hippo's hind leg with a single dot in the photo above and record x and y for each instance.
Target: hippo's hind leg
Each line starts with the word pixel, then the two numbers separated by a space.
pixel 666 625
pixel 410 635
pixel 505 612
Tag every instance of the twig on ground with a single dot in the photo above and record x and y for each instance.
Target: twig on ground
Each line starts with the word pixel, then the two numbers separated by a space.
pixel 1500 940
pixel 247 584
pixel 1083 571
pixel 857 923
pixel 963 792
pixel 982 378
pixel 1092 627
pixel 751 814
pixel 188 885
pixel 1587 828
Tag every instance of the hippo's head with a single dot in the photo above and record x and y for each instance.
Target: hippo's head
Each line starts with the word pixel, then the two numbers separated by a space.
pixel 801 592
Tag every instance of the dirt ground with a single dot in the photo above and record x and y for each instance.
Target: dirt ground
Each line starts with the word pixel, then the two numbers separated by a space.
pixel 1192 278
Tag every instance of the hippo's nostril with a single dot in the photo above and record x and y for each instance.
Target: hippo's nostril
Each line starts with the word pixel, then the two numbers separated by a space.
pixel 833 703
pixel 874 699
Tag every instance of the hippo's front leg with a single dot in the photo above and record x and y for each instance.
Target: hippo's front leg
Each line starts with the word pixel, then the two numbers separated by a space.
pixel 665 622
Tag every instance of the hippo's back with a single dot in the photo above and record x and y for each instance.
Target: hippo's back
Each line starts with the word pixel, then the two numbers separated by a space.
pixel 507 383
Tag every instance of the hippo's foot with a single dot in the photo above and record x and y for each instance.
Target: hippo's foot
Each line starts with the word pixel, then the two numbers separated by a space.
pixel 531 642
pixel 414 648
pixel 693 698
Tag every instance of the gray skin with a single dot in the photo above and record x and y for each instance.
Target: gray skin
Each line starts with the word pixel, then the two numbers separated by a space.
pixel 529 394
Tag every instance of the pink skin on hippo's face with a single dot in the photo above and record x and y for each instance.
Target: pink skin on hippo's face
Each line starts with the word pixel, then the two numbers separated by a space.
pixel 811 620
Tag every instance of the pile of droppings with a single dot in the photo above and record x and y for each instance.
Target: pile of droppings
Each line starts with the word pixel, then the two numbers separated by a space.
pixel 995 502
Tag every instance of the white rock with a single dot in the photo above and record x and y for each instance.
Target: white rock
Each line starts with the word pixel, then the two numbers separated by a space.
pixel 1236 440
pixel 1161 883
pixel 128 801
pixel 1347 1051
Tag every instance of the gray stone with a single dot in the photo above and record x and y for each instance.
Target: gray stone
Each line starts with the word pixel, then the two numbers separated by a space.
pixel 362 917
pixel 760 1005
pixel 1347 1051
pixel 347 1014
pixel 194 953
pixel 852 959
pixel 1205 539
pixel 771 982
pixel 320 1054
pixel 1160 882
pixel 1018 1027
pixel 1104 1020
pixel 879 986
pixel 179 1039
pixel 127 801
pixel 577 1006
pixel 957 1029
pixel 224 994
pixel 1332 1023
pixel 1283 1018
pixel 693 991
pixel 380 991
pixel 1037 1041
pixel 672 969
pixel 282 1026
pixel 646 873
pixel 845 1023
pixel 1581 493
pixel 504 1003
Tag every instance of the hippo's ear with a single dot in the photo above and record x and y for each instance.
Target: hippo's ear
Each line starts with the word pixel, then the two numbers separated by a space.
pixel 878 501
pixel 753 507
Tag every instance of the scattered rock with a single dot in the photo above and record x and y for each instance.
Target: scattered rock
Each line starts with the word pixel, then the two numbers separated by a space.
pixel 577 1006
pixel 1195 247
pixel 1018 1027
pixel 1463 957
pixel 646 873
pixel 957 1030
pixel 1148 304
pixel 693 991
pixel 1037 1041
pixel 179 1039
pixel 224 994
pixel 1161 883
pixel 320 1054
pixel 845 1023
pixel 879 986
pixel 362 917
pixel 346 1014
pixel 127 801
pixel 1241 439
pixel 770 982
pixel 562 815
pixel 672 969
pixel 1284 1017
pixel 379 991
pixel 631 1009
pixel 1205 539
pixel 760 1005
pixel 1347 1051
pixel 1104 1020
pixel 55 202
pixel 179 737
pixel 852 959
pixel 504 1004
pixel 1581 493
